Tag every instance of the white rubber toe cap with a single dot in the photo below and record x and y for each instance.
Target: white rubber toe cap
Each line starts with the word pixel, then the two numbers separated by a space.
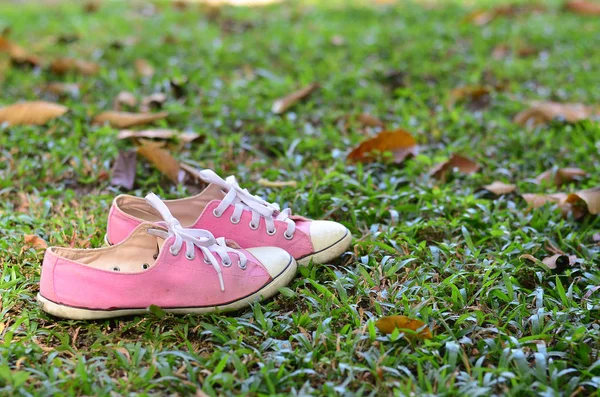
pixel 324 234
pixel 274 259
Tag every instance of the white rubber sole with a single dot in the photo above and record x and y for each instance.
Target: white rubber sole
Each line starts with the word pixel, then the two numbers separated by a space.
pixel 329 253
pixel 76 313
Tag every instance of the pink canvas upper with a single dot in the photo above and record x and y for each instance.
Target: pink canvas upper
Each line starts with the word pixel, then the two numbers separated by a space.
pixel 120 224
pixel 172 281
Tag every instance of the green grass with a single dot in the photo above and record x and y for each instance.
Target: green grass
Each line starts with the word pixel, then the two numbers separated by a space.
pixel 442 252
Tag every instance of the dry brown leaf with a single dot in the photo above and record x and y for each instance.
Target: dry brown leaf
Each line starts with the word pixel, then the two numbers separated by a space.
pixel 389 323
pixel 591 198
pixel 62 89
pixel 483 17
pixel 538 200
pixel 283 104
pixel 530 258
pixel 583 7
pixel 400 142
pixel 500 188
pixel 543 112
pixel 18 55
pixel 124 169
pixel 66 65
pixel 126 119
pixel 268 183
pixel 478 94
pixel 143 68
pixel 463 164
pixel 33 241
pixel 155 100
pixel 124 98
pixel 31 113
pixel 559 262
pixel 503 51
pixel 91 6
pixel 561 175
pixel 369 121
pixel 162 160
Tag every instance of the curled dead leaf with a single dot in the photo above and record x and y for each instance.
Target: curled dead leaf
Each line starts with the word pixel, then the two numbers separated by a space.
pixel 124 98
pixel 561 175
pixel 388 324
pixel 62 89
pixel 162 160
pixel 544 112
pixel 500 188
pixel 560 262
pixel 126 119
pixel 583 7
pixel 31 113
pixel 463 164
pixel 400 142
pixel 124 169
pixel 143 68
pixel 283 104
pixel 18 55
pixel 591 198
pixel 33 241
pixel 268 183
pixel 62 66
pixel 579 203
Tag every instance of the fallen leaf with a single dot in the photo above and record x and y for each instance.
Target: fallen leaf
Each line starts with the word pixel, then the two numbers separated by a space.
pixel 591 197
pixel 124 169
pixel 126 119
pixel 31 113
pixel 559 262
pixel 162 160
pixel 124 98
pixel 538 200
pixel 143 68
pixel 155 100
pixel 18 55
pixel 463 164
pixel 561 175
pixel 67 65
pixel 33 241
pixel 483 17
pixel 62 89
pixel 389 323
pixel 159 133
pixel 478 95
pixel 401 143
pixel 530 258
pixel 369 121
pixel 543 112
pixel 268 183
pixel 91 6
pixel 583 7
pixel 500 188
pixel 283 104
pixel 503 51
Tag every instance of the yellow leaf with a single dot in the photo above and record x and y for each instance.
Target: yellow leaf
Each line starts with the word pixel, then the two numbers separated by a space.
pixel 126 119
pixel 31 113
pixel 388 324
pixel 399 142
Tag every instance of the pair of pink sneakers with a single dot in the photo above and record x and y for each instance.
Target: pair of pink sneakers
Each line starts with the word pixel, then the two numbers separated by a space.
pixel 165 253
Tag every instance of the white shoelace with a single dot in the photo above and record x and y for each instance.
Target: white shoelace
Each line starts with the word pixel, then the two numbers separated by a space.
pixel 203 239
pixel 243 200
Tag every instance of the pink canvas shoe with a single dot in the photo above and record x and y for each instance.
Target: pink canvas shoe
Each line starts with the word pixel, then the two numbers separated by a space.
pixel 180 270
pixel 225 209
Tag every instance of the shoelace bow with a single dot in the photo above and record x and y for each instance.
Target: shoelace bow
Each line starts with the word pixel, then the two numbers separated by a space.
pixel 243 200
pixel 203 239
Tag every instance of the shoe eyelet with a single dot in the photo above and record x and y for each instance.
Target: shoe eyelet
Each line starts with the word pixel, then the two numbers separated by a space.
pixel 190 258
pixel 253 226
pixel 172 251
pixel 155 255
pixel 243 267
pixel 116 269
pixel 271 232
pixel 287 237
pixel 235 221
pixel 145 266
pixel 227 262
pixel 206 260
pixel 217 214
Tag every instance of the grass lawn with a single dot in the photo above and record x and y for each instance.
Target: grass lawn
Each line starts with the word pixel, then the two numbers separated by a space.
pixel 441 251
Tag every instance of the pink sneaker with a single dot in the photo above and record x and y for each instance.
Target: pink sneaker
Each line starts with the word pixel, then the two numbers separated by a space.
pixel 225 209
pixel 180 270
